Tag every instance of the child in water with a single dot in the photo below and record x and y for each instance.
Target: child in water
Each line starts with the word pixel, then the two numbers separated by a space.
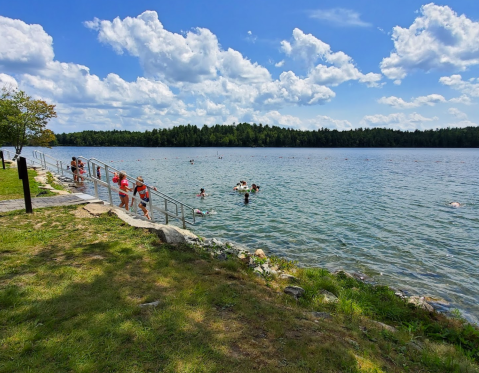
pixel 246 198
pixel 202 213
pixel 142 190
pixel 202 193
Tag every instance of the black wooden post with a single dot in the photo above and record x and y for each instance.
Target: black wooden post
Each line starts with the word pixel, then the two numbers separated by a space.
pixel 23 175
pixel 3 161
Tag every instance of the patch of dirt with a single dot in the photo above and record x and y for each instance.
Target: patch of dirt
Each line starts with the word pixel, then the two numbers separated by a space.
pixel 81 213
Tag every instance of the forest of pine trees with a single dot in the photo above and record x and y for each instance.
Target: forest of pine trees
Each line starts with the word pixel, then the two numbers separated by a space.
pixel 247 135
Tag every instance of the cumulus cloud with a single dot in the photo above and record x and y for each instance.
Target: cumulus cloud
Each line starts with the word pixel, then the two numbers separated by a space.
pixel 342 69
pixel 23 47
pixel 398 121
pixel 457 113
pixel 193 57
pixel 8 81
pixel 279 64
pixel 438 39
pixel 464 99
pixel 340 17
pixel 399 103
pixel 470 87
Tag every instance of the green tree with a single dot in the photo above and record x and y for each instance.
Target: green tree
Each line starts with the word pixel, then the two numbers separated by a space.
pixel 23 120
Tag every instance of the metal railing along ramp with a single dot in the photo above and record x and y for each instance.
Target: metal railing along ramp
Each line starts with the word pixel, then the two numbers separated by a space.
pixel 161 206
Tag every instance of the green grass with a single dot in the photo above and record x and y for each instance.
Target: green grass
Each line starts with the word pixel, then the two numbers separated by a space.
pixel 70 290
pixel 51 181
pixel 11 187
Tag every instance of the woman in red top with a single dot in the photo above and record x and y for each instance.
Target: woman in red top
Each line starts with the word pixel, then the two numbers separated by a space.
pixel 123 183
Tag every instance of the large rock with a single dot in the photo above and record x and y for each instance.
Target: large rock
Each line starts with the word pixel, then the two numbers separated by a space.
pixel 168 234
pixel 295 291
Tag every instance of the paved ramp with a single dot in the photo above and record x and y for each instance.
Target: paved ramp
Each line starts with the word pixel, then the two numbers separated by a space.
pixel 65 200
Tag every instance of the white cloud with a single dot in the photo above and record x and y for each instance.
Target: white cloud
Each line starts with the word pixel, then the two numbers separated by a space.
pixel 322 121
pixel 398 121
pixel 8 81
pixel 462 124
pixel 464 99
pixel 308 48
pixel 279 64
pixel 23 47
pixel 470 87
pixel 438 39
pixel 192 58
pixel 340 17
pixel 457 113
pixel 399 103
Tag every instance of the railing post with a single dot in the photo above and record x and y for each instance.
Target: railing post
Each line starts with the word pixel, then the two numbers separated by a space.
pixel 61 167
pixel 3 162
pixel 58 168
pixel 23 175
pixel 150 203
pixel 166 211
pixel 183 216
pixel 107 176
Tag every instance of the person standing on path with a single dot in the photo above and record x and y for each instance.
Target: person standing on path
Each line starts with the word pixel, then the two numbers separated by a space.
pixel 74 167
pixel 142 190
pixel 124 187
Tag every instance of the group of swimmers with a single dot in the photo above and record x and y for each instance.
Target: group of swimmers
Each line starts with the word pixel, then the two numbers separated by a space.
pixel 78 168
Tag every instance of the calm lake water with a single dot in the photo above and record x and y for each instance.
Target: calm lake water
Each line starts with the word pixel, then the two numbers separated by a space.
pixel 382 212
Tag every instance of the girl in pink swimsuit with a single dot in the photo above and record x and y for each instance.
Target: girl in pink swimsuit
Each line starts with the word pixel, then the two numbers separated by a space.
pixel 123 183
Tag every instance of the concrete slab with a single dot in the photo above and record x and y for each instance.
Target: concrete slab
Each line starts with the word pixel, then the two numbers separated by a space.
pixel 166 233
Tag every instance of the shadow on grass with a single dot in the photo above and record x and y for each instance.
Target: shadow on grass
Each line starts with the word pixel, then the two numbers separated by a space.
pixel 207 320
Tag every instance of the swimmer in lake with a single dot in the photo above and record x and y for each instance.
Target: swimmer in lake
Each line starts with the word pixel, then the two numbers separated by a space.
pixel 202 213
pixel 202 193
pixel 246 198
pixel 455 204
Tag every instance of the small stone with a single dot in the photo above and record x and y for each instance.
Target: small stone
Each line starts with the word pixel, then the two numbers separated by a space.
pixel 151 304
pixel 285 276
pixel 222 256
pixel 341 272
pixel 321 315
pixel 241 256
pixel 295 291
pixel 216 242
pixel 389 328
pixel 260 254
pixel 328 296
pixel 420 302
pixel 352 342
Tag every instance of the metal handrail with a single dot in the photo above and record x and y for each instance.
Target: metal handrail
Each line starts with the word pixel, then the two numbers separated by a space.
pixel 90 165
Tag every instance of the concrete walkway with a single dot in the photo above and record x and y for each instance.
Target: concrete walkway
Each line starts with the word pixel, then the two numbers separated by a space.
pixel 65 200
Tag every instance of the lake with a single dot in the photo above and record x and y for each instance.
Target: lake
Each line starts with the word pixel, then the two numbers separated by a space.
pixel 381 212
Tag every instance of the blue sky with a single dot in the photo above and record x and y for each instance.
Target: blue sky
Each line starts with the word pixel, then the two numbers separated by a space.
pixel 306 64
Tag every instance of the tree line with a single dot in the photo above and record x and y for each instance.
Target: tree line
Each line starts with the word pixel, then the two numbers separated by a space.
pixel 257 135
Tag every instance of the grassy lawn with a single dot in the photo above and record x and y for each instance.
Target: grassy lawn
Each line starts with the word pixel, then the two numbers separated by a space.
pixel 11 186
pixel 71 288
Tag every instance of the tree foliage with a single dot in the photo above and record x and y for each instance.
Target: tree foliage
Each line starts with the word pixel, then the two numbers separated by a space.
pixel 247 135
pixel 23 120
